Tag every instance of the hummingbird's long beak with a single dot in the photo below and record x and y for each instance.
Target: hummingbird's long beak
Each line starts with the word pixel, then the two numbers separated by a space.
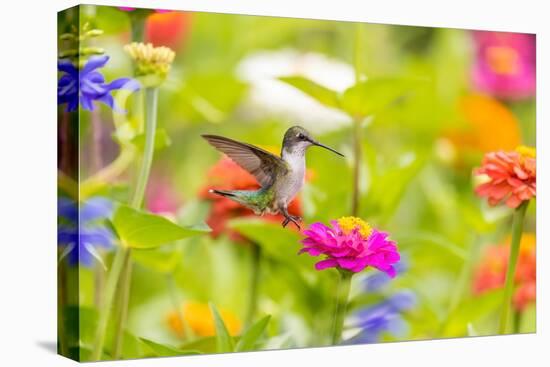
pixel 324 146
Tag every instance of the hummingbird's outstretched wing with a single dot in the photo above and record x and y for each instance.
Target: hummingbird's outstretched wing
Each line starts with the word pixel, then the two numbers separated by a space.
pixel 260 163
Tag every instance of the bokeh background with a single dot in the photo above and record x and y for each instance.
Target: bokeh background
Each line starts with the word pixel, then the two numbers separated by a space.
pixel 467 93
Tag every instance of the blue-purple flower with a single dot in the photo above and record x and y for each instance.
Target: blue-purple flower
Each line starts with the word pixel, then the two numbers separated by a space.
pixel 87 84
pixel 82 229
pixel 384 317
pixel 375 281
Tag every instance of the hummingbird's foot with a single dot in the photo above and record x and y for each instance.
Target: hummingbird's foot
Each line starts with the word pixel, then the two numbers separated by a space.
pixel 294 219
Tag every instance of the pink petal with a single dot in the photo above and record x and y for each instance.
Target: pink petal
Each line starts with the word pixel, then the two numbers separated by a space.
pixel 324 264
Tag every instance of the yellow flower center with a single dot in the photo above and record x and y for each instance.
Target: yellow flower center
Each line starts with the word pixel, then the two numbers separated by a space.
pixel 348 224
pixel 503 60
pixel 527 151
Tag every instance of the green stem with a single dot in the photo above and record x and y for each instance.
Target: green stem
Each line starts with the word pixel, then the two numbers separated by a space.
pixel 99 282
pixel 357 149
pixel 517 231
pixel 110 287
pixel 107 174
pixel 357 152
pixel 123 297
pixel 342 294
pixel 256 258
pixel 137 24
pixel 517 321
pixel 120 264
pixel 461 283
pixel 151 102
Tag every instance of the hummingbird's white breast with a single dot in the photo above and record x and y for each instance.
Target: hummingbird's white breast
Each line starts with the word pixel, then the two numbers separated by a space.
pixel 290 184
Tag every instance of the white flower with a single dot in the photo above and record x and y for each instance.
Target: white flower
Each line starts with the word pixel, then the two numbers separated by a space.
pixel 271 97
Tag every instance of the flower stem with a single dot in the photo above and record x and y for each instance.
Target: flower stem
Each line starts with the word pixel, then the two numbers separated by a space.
pixel 120 264
pixel 108 173
pixel 517 231
pixel 256 258
pixel 342 294
pixel 137 24
pixel 357 151
pixel 461 284
pixel 518 318
pixel 99 283
pixel 110 287
pixel 151 101
pixel 123 297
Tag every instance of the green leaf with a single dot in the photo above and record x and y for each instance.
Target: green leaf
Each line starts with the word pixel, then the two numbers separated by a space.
pixel 251 335
pixel 412 240
pixel 138 229
pixel 224 341
pixel 163 259
pixel 206 345
pixel 163 350
pixel 388 188
pixel 316 91
pixel 162 140
pixel 279 243
pixel 472 310
pixel 372 96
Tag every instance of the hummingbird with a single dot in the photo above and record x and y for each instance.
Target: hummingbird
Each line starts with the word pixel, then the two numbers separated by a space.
pixel 280 177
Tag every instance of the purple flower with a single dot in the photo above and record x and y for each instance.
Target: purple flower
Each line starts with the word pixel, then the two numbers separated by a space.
pixel 82 229
pixel 384 317
pixel 87 85
pixel 351 244
pixel 505 64
pixel 376 281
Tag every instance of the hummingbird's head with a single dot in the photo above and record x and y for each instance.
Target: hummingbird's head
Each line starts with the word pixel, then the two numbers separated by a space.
pixel 297 140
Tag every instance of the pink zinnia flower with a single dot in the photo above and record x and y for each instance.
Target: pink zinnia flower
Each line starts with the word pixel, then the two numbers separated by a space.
pixel 351 244
pixel 505 64
pixel 161 196
pixel 512 176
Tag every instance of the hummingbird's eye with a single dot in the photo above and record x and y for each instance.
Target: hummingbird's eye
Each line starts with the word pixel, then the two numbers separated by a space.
pixel 301 136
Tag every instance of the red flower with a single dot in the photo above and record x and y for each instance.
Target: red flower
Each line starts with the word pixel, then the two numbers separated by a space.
pixel 491 272
pixel 512 177
pixel 227 175
pixel 167 28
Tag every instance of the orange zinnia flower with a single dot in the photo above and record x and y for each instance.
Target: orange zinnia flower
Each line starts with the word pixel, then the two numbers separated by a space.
pixel 198 317
pixel 512 177
pixel 491 272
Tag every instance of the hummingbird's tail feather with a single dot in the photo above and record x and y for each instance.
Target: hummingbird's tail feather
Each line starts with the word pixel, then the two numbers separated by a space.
pixel 256 200
pixel 222 192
